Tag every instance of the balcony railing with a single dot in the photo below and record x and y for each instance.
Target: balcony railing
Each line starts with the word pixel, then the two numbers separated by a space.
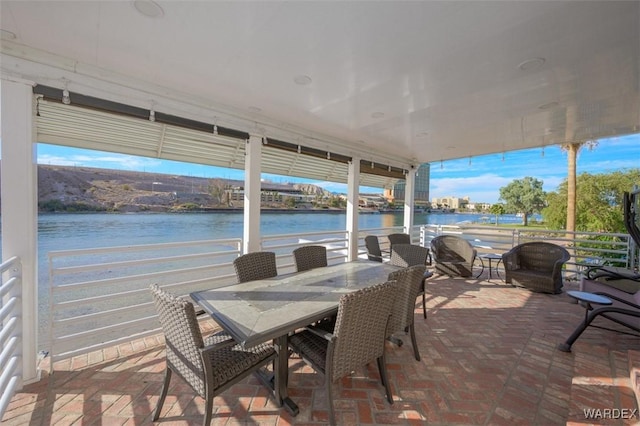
pixel 10 330
pixel 99 297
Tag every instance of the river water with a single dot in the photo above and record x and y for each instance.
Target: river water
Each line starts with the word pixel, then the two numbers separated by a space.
pixel 93 230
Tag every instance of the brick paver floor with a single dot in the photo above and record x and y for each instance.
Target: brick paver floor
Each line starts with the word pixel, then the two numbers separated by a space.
pixel 489 357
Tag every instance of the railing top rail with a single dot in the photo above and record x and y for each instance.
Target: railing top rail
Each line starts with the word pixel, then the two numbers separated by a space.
pixel 141 247
pixel 9 263
pixel 301 234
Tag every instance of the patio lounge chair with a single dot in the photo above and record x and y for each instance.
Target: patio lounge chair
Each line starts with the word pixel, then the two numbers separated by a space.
pixel 453 255
pixel 536 265
pixel 209 365
pixel 398 238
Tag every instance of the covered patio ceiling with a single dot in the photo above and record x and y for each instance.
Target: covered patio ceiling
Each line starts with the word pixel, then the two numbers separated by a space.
pixel 395 84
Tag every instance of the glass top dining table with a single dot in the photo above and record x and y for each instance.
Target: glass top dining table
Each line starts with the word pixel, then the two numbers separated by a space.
pixel 269 309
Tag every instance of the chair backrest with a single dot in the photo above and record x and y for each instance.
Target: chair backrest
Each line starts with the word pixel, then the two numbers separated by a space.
pixel 309 257
pixel 406 255
pixel 360 329
pixel 451 248
pixel 255 266
pixel 398 239
pixel 540 255
pixel 373 248
pixel 409 285
pixel 182 337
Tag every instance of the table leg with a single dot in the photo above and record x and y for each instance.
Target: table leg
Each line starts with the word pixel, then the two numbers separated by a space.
pixel 490 276
pixel 281 372
pixel 482 270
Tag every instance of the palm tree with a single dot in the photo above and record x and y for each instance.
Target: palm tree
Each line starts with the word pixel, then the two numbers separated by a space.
pixel 572 149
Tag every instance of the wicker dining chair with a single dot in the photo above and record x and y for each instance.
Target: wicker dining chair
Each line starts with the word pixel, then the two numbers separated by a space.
pixel 409 284
pixel 398 238
pixel 357 339
pixel 405 255
pixel 373 248
pixel 209 365
pixel 255 266
pixel 310 257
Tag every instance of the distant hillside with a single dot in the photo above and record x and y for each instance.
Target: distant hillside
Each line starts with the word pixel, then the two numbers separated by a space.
pixel 62 188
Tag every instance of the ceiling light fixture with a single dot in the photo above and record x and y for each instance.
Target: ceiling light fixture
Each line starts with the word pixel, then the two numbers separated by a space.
pixel 530 64
pixel 441 165
pixel 148 8
pixel 469 160
pixel 7 34
pixel 302 80
pixel 542 153
pixel 152 112
pixel 66 97
pixel 328 155
pixel 548 105
pixel 299 149
pixel 372 165
pixel 389 169
pixel 377 114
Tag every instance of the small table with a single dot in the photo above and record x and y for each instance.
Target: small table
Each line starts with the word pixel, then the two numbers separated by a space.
pixel 586 299
pixel 490 257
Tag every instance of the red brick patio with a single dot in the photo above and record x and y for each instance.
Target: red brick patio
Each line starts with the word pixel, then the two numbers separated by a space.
pixel 489 357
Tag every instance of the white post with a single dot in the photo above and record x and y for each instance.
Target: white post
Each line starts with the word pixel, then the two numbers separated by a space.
pixel 252 188
pixel 353 195
pixel 19 208
pixel 409 199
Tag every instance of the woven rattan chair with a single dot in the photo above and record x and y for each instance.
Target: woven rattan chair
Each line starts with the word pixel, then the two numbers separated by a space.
pixel 536 265
pixel 405 255
pixel 398 239
pixel 409 285
pixel 255 266
pixel 453 255
pixel 373 248
pixel 208 365
pixel 309 257
pixel 358 338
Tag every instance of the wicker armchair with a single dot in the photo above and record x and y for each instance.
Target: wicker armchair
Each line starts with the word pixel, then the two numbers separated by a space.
pixel 536 265
pixel 410 283
pixel 405 255
pixel 208 365
pixel 373 248
pixel 453 255
pixel 309 257
pixel 255 266
pixel 358 338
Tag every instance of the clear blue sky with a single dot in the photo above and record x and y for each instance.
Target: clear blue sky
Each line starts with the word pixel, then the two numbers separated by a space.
pixel 479 178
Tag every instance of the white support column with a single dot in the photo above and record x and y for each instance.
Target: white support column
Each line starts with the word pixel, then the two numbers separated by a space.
pixel 353 195
pixel 409 199
pixel 252 188
pixel 19 208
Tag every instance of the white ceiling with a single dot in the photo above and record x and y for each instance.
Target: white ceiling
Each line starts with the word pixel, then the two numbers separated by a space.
pixel 419 81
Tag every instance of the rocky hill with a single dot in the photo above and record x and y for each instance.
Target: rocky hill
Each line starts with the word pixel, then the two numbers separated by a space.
pixel 62 188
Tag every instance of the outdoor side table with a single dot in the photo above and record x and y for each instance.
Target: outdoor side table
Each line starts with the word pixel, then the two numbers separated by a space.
pixel 586 299
pixel 490 257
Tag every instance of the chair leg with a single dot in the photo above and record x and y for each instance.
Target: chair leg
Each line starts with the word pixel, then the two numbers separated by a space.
pixel 424 305
pixel 332 415
pixel 208 408
pixel 412 331
pixel 382 368
pixel 163 393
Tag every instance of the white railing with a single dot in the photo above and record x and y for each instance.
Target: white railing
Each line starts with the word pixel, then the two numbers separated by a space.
pixel 100 297
pixel 10 330
pixel 586 248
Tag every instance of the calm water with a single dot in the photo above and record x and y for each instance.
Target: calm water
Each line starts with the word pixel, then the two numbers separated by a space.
pixel 76 231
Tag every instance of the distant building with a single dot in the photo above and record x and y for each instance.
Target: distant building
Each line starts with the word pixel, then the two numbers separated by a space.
pixel 421 188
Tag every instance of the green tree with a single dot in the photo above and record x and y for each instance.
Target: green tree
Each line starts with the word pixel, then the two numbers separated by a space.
pixel 523 196
pixel 598 201
pixel 497 209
